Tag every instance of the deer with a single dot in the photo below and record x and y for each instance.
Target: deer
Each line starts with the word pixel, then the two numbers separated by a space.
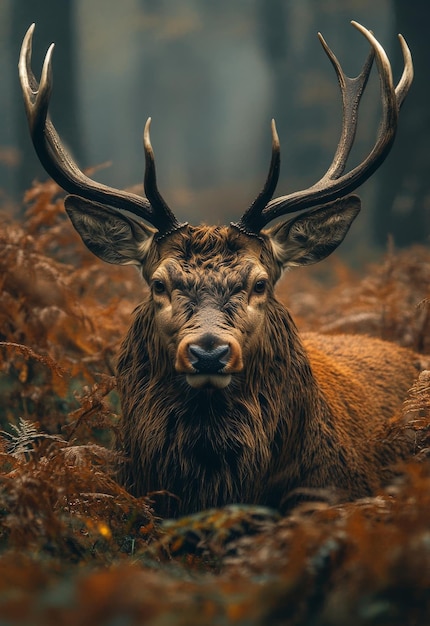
pixel 223 401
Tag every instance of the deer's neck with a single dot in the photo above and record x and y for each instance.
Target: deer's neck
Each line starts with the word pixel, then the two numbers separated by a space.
pixel 181 438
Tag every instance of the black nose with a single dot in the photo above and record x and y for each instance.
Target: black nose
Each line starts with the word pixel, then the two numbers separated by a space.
pixel 209 361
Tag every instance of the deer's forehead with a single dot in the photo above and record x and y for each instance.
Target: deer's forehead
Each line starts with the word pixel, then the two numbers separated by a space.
pixel 203 255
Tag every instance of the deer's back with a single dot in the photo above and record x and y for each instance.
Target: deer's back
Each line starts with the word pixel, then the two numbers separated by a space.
pixel 369 377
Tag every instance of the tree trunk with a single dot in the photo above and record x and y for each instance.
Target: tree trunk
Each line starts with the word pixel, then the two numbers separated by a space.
pixel 404 196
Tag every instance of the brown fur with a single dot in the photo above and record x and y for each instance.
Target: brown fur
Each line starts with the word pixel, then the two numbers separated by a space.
pixel 310 412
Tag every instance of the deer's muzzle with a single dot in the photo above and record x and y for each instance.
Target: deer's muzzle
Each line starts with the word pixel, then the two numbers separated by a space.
pixel 209 360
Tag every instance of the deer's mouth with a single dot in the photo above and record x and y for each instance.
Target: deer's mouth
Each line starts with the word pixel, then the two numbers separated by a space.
pixel 206 381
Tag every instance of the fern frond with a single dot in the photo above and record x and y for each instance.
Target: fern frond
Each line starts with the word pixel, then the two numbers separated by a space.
pixel 23 440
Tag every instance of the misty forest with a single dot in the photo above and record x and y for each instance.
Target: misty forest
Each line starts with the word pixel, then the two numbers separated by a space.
pixel 76 546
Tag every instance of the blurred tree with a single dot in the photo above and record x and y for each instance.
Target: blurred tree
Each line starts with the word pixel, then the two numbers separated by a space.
pixel 404 196
pixel 272 30
pixel 54 22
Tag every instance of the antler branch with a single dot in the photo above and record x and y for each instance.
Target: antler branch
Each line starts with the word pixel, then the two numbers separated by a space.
pixel 335 183
pixel 60 165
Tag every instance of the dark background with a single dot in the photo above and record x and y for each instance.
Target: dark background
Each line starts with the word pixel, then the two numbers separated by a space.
pixel 212 75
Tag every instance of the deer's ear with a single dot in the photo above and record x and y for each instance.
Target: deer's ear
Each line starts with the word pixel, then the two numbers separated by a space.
pixel 112 236
pixel 310 238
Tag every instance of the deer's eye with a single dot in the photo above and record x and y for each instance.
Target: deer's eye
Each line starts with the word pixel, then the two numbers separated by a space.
pixel 260 286
pixel 159 287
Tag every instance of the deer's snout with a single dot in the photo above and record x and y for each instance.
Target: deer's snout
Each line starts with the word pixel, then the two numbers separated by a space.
pixel 208 359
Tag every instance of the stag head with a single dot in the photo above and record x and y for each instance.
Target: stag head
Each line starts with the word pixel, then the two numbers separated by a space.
pixel 211 287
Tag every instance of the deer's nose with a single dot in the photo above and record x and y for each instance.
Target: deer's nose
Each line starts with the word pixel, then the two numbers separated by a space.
pixel 209 354
pixel 209 360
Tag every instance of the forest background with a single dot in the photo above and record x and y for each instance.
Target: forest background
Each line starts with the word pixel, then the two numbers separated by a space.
pixel 212 75
pixel 75 548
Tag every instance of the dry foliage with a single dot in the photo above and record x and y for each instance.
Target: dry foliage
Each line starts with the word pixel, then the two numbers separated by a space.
pixel 76 548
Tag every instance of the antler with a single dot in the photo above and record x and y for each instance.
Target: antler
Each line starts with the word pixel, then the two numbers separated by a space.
pixel 60 165
pixel 334 183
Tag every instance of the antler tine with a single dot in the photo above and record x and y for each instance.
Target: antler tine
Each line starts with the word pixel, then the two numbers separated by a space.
pixel 55 158
pixel 408 72
pixel 334 183
pixel 351 90
pixel 253 215
pixel 151 190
